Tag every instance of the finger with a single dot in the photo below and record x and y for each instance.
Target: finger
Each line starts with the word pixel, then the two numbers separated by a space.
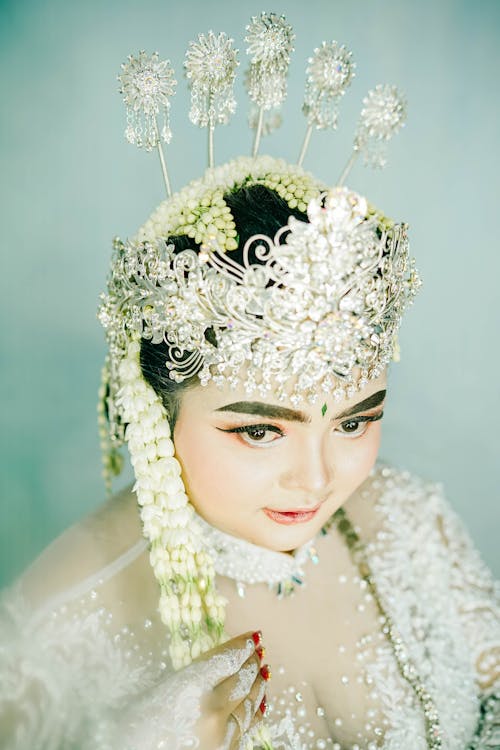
pixel 255 724
pixel 258 691
pixel 243 741
pixel 234 689
pixel 232 738
pixel 238 641
pixel 253 702
pixel 239 685
pixel 226 660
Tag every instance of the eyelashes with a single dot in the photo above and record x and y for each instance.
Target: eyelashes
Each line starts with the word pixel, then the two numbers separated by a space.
pixel 254 434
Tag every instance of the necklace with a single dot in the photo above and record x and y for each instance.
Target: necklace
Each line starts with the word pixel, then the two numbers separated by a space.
pixel 405 665
pixel 247 563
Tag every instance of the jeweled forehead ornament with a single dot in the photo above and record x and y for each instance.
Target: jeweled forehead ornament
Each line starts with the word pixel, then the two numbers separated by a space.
pixel 309 305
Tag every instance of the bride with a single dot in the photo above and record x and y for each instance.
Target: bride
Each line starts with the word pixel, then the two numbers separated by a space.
pixel 280 586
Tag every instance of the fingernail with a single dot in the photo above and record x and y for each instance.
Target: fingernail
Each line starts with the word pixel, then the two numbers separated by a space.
pixel 257 637
pixel 261 651
pixel 263 706
pixel 265 672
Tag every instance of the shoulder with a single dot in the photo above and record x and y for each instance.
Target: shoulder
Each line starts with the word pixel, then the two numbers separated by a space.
pixel 78 557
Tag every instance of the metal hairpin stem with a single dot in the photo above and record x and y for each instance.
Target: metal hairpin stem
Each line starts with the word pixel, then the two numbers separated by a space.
pixel 348 168
pixel 305 144
pixel 211 129
pixel 162 161
pixel 258 132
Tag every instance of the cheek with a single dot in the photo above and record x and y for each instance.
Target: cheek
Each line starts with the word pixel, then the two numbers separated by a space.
pixel 217 473
pixel 356 459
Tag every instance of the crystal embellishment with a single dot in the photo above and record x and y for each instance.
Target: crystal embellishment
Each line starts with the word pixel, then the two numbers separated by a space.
pixel 210 66
pixel 147 83
pixel 329 74
pixel 269 38
pixel 383 115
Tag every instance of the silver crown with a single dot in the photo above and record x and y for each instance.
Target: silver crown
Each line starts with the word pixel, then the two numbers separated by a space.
pixel 312 303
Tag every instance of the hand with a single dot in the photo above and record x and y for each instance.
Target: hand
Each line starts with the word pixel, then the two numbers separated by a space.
pixel 236 702
pixel 210 704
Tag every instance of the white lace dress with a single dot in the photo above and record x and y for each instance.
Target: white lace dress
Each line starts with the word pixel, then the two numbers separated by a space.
pixel 82 646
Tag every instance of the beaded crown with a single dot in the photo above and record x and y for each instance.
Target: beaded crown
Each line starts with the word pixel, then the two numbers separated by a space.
pixel 322 297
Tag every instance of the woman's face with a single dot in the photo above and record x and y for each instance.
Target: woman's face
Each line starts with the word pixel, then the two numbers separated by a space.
pixel 269 472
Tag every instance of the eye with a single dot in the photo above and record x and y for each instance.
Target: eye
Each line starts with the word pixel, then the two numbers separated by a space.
pixel 357 426
pixel 354 427
pixel 257 433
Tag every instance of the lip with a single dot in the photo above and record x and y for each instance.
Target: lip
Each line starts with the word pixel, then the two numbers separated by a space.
pixel 290 517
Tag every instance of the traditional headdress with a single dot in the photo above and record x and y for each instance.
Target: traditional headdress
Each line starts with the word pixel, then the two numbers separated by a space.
pixel 319 300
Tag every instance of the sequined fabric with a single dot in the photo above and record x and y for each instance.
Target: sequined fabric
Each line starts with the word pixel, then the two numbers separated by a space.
pixel 82 644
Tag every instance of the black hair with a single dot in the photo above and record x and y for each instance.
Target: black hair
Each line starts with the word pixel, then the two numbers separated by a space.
pixel 256 210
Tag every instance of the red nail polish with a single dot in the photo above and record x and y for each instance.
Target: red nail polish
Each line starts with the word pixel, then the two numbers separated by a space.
pixel 257 637
pixel 265 672
pixel 263 706
pixel 260 651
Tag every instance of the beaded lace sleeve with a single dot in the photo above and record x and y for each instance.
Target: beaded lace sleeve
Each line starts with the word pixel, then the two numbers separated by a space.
pixel 80 639
pixel 64 672
pixel 477 598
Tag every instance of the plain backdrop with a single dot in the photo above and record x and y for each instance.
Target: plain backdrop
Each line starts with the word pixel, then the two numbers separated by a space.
pixel 70 183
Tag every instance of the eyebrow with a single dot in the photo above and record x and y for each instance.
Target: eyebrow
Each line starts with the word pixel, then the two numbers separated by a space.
pixel 258 408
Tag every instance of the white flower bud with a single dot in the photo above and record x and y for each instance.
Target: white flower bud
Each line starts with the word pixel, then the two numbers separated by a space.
pixel 196 649
pixel 179 518
pixel 158 552
pixel 152 529
pixel 144 483
pixel 221 614
pixel 161 430
pixel 177 500
pixel 209 599
pixel 178 653
pixel 165 447
pixel 172 485
pixel 195 599
pixel 149 512
pixel 128 370
pixel 163 569
pixel 196 615
pixel 133 349
pixel 145 497
pixel 186 617
pixel 140 464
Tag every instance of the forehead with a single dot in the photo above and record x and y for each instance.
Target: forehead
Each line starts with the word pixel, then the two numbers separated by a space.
pixel 210 397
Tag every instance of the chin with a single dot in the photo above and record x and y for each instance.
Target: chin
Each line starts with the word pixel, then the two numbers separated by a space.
pixel 288 539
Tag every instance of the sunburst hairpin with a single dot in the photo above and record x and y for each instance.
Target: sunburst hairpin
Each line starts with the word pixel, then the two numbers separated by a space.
pixel 330 72
pixel 210 65
pixel 269 38
pixel 383 115
pixel 147 83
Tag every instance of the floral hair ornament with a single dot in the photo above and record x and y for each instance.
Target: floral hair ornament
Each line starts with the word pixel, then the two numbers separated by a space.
pixel 383 115
pixel 189 604
pixel 147 85
pixel 309 304
pixel 330 72
pixel 269 38
pixel 210 68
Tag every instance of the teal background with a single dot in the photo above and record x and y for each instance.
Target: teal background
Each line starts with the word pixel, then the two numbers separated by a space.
pixel 70 182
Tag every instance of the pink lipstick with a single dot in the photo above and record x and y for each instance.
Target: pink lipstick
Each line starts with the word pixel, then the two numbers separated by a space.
pixel 289 517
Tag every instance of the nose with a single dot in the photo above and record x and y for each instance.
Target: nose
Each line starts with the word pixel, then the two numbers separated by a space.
pixel 310 473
